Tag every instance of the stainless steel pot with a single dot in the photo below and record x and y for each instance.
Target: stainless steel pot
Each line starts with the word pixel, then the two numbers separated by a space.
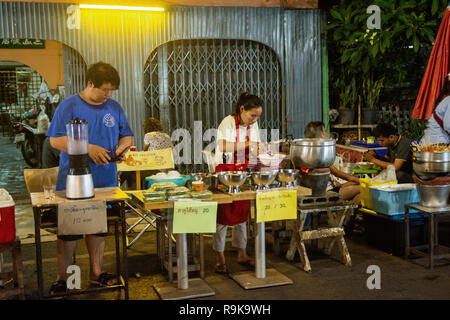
pixel 425 163
pixel 433 196
pixel 313 153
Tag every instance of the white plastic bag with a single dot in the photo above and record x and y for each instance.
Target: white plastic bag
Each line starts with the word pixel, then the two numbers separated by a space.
pixel 42 122
pixel 387 175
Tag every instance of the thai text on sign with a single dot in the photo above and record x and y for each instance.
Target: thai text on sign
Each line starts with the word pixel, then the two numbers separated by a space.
pixel 276 205
pixel 194 216
pixel 82 217
pixel 147 160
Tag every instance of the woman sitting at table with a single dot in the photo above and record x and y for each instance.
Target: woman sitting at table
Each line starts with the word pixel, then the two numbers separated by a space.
pixel 238 143
pixel 348 190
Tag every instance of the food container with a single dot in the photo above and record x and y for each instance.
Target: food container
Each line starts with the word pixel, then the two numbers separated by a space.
pixel 155 199
pixel 178 191
pixel 178 197
pixel 434 196
pixel 197 185
pixel 364 165
pixel 7 217
pixel 162 186
pixel 181 181
pixel 391 199
pixel 154 194
pixel 425 163
pixel 313 153
pixel 201 194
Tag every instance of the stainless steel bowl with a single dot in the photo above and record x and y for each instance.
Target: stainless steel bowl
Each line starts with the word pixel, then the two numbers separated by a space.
pixel 264 178
pixel 233 180
pixel 425 163
pixel 313 153
pixel 287 176
pixel 348 167
pixel 433 196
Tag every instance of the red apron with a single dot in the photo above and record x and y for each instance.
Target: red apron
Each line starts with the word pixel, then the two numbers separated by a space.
pixel 234 213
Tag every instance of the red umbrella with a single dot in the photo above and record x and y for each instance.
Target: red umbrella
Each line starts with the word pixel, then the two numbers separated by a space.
pixel 437 70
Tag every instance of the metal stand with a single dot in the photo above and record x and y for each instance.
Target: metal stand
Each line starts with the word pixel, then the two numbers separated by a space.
pixel 433 241
pixel 185 289
pixel 261 278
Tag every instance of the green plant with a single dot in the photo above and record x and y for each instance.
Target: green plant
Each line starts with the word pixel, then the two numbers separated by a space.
pixel 387 56
pixel 371 91
pixel 415 128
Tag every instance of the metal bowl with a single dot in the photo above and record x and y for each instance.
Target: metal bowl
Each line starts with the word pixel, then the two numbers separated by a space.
pixel 232 179
pixel 348 167
pixel 313 153
pixel 433 196
pixel 287 176
pixel 264 178
pixel 431 162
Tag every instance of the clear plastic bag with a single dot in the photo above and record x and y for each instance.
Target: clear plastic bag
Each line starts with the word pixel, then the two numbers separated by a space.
pixel 386 175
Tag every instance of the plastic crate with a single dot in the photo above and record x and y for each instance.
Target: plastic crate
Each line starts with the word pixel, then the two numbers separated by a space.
pixel 378 148
pixel 391 199
pixel 388 234
pixel 364 191
pixel 7 217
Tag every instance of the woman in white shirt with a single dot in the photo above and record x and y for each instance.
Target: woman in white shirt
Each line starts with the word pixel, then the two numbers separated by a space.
pixel 238 144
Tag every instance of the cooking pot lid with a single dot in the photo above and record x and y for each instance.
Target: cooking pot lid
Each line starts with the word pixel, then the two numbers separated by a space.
pixel 314 142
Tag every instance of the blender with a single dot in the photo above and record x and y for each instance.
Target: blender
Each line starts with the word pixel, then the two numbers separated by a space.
pixel 79 183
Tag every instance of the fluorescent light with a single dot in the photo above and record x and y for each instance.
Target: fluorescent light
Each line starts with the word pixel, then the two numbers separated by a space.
pixel 95 6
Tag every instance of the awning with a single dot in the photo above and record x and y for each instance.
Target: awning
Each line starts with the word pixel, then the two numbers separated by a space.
pixel 437 69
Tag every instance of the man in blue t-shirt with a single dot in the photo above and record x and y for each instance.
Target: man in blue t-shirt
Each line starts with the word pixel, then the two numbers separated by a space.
pixel 109 134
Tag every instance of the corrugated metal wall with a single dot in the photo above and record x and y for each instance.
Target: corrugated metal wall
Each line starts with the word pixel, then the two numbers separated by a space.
pixel 126 39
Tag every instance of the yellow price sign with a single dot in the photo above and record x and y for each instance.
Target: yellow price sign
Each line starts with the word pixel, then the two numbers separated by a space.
pixel 194 216
pixel 147 160
pixel 276 205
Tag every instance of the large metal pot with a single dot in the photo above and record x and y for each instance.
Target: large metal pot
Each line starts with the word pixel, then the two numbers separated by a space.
pixel 434 196
pixel 425 163
pixel 313 153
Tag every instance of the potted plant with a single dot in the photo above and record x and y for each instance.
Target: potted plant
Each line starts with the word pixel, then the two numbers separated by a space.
pixel 347 101
pixel 370 95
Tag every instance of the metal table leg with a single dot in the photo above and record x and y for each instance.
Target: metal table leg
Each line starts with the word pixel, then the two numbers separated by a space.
pixel 406 232
pixel 261 278
pixel 431 243
pixel 37 238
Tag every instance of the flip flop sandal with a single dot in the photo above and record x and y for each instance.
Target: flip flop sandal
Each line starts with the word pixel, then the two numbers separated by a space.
pixel 104 280
pixel 221 269
pixel 58 287
pixel 247 263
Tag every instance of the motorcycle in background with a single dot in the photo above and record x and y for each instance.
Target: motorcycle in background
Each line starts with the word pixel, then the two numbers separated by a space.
pixel 30 138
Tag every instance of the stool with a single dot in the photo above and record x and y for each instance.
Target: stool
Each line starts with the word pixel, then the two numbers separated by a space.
pixel 16 274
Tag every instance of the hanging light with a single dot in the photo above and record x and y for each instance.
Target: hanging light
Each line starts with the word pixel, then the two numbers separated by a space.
pixel 106 7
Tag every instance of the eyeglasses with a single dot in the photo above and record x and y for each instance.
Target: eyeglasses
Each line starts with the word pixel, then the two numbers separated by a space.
pixel 106 90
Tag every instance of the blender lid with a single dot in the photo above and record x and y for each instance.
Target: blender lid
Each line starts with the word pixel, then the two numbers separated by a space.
pixel 77 121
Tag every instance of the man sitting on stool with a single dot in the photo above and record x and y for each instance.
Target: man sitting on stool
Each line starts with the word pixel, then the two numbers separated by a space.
pixel 399 152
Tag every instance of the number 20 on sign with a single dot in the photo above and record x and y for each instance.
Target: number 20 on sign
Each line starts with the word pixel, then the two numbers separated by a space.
pixel 276 205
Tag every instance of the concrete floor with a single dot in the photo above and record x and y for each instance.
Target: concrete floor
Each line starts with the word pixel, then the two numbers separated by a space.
pixel 329 279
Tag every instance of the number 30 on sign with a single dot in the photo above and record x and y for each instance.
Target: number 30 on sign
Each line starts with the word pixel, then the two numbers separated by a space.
pixel 276 205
